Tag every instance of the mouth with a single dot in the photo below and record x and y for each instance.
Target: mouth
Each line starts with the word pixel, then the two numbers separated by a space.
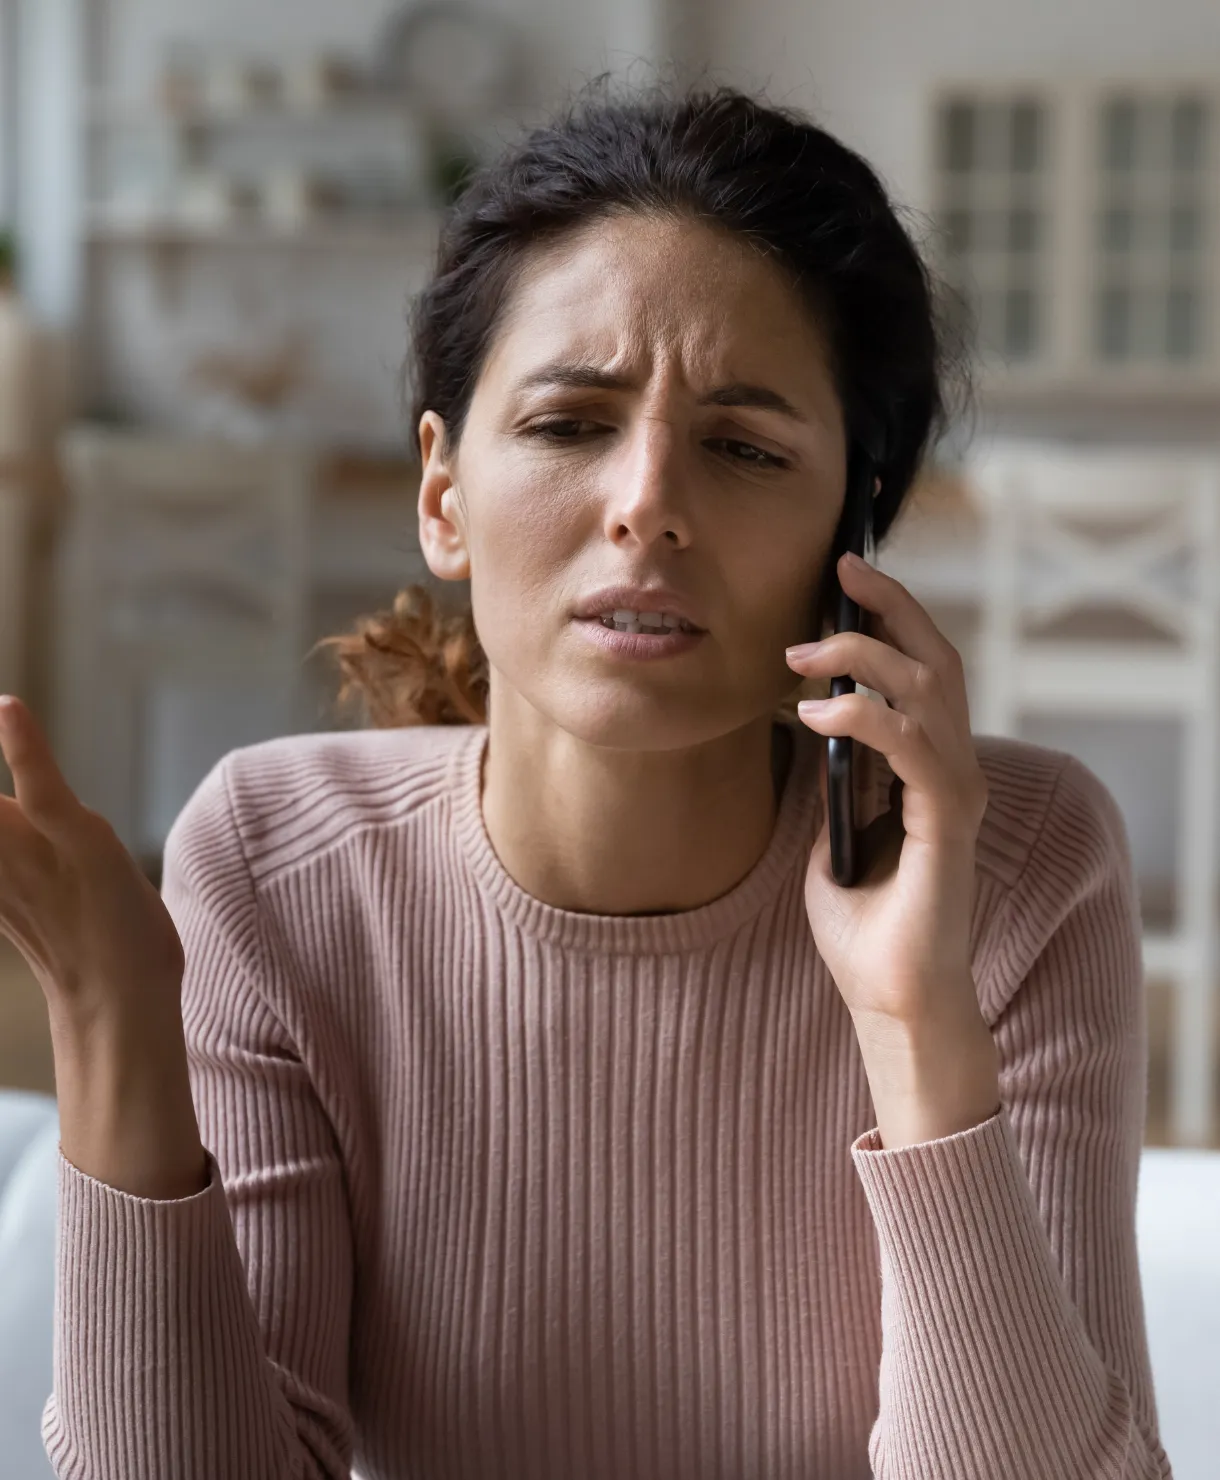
pixel 652 624
pixel 632 639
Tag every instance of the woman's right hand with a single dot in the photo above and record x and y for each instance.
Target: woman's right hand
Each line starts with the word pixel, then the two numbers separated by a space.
pixel 72 899
pixel 110 963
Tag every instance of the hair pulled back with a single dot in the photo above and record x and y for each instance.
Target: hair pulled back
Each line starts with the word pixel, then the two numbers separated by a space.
pixel 767 174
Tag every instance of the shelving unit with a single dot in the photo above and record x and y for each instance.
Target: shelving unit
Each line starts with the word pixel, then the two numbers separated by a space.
pixel 365 233
pixel 219 221
pixel 105 110
pixel 365 206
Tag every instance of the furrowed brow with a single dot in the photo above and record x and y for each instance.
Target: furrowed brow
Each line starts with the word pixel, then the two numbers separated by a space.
pixel 576 376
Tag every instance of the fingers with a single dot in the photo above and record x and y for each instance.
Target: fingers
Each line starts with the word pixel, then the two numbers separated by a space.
pixel 938 798
pixel 906 684
pixel 907 659
pixel 910 626
pixel 41 791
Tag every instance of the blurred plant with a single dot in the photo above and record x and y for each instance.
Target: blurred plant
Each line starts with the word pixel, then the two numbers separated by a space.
pixel 8 257
pixel 451 162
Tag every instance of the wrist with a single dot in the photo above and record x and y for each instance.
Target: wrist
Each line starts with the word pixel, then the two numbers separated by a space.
pixel 930 1080
pixel 126 1113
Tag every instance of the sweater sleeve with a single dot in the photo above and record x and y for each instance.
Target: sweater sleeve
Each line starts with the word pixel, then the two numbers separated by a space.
pixel 1013 1336
pixel 207 1336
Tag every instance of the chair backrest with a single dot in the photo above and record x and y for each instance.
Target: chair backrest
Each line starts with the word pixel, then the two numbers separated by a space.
pixel 1069 528
pixel 176 536
pixel 184 567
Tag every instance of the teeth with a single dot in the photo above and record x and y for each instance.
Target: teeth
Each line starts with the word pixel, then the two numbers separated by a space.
pixel 629 621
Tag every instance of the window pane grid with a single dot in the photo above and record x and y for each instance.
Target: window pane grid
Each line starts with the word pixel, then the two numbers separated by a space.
pixel 995 227
pixel 1150 228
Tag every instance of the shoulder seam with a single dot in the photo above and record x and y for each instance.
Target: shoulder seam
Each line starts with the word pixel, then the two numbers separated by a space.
pixel 236 826
pixel 1014 893
pixel 1068 760
pixel 259 916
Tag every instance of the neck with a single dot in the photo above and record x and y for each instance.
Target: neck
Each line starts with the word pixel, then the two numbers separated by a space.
pixel 630 832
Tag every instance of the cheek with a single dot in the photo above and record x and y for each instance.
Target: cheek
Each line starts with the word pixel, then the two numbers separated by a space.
pixel 785 576
pixel 530 529
pixel 521 553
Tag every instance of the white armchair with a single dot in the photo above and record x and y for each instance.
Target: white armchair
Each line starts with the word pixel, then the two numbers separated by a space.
pixel 29 1137
pixel 1178 1221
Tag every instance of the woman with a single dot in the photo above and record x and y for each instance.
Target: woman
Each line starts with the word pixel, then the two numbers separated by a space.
pixel 507 1089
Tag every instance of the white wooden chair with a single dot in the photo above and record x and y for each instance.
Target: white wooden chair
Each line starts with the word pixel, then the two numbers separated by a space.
pixel 1132 536
pixel 183 564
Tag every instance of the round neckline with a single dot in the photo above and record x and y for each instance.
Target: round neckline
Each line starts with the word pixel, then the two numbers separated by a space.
pixel 788 848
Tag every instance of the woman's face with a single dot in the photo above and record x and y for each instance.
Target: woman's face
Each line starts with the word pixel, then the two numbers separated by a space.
pixel 656 464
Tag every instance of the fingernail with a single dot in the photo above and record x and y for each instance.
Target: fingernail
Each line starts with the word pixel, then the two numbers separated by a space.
pixel 855 562
pixel 811 706
pixel 801 649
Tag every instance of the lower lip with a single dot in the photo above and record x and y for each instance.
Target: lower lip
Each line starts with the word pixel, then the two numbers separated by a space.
pixel 637 644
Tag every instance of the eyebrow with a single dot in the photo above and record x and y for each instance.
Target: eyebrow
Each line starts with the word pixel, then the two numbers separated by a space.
pixel 576 376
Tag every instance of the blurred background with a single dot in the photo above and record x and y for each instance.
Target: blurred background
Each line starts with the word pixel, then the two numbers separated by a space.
pixel 212 219
pixel 211 222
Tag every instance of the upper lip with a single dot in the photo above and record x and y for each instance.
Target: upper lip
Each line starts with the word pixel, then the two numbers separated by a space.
pixel 638 599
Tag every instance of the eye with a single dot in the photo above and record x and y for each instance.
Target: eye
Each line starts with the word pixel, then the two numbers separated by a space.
pixel 559 429
pixel 747 453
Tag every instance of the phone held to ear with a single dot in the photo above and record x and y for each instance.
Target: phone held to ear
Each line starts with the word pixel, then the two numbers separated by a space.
pixel 846 850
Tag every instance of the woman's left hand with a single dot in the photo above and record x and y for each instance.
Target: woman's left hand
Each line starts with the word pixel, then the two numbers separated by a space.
pixel 898 941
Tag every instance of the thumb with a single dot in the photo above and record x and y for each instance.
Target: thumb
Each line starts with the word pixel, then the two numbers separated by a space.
pixel 41 791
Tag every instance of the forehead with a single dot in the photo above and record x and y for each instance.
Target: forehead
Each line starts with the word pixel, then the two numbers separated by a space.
pixel 634 290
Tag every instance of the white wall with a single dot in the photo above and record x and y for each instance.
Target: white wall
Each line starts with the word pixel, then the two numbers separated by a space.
pixel 864 66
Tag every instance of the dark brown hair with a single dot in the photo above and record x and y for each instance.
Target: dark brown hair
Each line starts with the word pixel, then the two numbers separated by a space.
pixel 714 154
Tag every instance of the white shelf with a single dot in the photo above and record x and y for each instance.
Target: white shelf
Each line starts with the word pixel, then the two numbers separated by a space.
pixel 370 233
pixel 119 112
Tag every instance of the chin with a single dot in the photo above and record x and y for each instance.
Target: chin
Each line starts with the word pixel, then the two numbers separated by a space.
pixel 648 723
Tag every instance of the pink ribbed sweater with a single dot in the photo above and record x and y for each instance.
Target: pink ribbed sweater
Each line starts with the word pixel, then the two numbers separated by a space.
pixel 503 1190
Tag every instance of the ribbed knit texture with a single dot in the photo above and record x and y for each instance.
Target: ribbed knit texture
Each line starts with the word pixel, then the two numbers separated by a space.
pixel 503 1190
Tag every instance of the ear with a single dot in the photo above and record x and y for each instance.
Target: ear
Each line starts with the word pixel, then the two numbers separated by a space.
pixel 442 526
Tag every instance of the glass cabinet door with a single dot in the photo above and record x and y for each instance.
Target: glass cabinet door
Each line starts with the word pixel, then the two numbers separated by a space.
pixel 992 171
pixel 1151 230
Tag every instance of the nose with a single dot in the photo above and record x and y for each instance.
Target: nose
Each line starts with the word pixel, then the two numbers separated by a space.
pixel 648 486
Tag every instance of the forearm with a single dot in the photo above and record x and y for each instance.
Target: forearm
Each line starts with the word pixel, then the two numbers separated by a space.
pixel 126 1115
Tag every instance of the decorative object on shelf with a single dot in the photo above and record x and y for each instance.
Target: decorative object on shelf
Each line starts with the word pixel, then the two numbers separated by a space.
pixel 247 398
pixel 209 199
pixel 296 198
pixel 321 81
pixel 459 63
pixel 229 149
pixel 456 67
pixel 232 85
pixel 180 84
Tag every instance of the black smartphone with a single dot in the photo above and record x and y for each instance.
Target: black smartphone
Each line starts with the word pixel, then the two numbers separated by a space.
pixel 856 535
